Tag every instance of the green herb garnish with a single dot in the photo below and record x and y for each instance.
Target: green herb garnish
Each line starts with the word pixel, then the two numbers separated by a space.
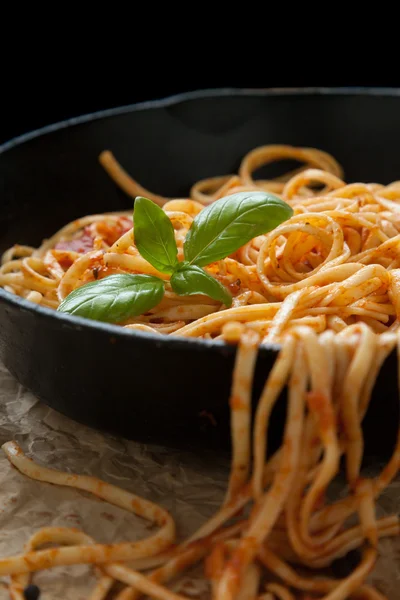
pixel 191 279
pixel 226 225
pixel 154 236
pixel 216 232
pixel 115 298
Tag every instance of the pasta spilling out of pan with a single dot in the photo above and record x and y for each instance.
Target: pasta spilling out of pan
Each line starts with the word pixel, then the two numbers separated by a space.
pixel 303 261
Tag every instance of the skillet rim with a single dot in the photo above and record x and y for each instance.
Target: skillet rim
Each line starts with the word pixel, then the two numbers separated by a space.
pixel 80 323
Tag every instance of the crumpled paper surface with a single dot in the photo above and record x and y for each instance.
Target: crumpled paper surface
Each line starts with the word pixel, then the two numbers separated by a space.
pixel 190 486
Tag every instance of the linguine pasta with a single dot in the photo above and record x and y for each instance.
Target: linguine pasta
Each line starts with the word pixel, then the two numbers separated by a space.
pixel 325 286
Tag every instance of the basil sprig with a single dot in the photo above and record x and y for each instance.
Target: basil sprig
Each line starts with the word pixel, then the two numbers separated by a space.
pixel 226 225
pixel 216 232
pixel 191 279
pixel 115 298
pixel 154 236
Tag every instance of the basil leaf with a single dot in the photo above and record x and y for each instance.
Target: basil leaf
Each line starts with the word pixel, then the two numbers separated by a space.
pixel 190 279
pixel 229 223
pixel 114 298
pixel 154 235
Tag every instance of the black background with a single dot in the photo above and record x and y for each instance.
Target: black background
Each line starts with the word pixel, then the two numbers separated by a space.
pixel 57 77
pixel 72 63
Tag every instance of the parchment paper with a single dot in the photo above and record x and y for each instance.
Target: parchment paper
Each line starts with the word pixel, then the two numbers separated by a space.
pixel 190 486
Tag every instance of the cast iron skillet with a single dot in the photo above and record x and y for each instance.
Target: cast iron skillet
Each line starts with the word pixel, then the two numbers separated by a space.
pixel 139 385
